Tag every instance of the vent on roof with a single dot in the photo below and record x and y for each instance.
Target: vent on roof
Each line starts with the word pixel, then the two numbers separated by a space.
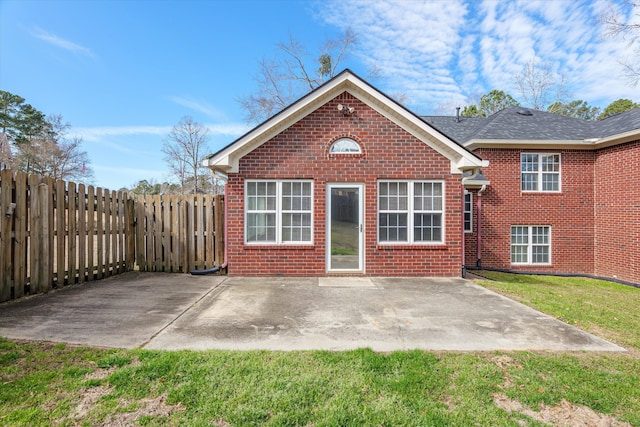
pixel 524 112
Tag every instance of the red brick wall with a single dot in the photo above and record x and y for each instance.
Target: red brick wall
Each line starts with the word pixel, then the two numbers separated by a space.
pixel 301 152
pixel 617 211
pixel 569 213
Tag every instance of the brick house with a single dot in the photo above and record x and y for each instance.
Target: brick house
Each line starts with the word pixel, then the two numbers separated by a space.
pixel 346 181
pixel 564 195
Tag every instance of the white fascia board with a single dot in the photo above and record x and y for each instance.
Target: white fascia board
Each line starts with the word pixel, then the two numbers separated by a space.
pixel 621 138
pixel 570 144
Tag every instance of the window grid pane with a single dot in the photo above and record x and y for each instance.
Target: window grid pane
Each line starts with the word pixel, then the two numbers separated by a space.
pixel 392 227
pixel 427 227
pixel 468 212
pixel 345 145
pixel 530 244
pixel 540 172
pixel 265 200
pixel 410 211
pixel 261 227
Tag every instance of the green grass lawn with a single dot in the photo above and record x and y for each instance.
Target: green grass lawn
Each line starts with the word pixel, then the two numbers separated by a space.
pixel 56 384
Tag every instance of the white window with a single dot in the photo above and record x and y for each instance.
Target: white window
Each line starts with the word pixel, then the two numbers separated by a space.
pixel 468 212
pixel 530 244
pixel 540 172
pixel 345 146
pixel 410 212
pixel 278 212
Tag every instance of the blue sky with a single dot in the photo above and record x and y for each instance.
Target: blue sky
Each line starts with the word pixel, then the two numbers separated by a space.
pixel 124 72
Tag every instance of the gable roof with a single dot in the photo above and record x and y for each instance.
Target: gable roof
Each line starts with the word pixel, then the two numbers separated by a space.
pixel 227 159
pixel 518 126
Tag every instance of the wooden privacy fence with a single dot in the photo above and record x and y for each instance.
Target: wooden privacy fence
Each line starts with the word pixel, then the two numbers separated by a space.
pixel 55 233
pixel 179 233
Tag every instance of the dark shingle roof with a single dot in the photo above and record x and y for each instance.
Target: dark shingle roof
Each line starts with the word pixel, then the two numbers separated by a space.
pixel 619 123
pixel 456 129
pixel 518 123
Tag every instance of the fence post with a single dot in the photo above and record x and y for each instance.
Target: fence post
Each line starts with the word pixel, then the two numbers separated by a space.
pixel 40 275
pixel 130 232
pixel 6 212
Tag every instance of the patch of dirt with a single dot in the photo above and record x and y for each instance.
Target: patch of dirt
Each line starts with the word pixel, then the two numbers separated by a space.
pixel 90 397
pixel 220 423
pixel 101 373
pixel 505 362
pixel 563 414
pixel 154 407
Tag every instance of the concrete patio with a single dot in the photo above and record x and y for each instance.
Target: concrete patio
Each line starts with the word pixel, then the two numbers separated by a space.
pixel 177 311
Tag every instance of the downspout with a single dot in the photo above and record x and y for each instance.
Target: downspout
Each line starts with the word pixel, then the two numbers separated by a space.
pixel 464 264
pixel 217 268
pixel 479 209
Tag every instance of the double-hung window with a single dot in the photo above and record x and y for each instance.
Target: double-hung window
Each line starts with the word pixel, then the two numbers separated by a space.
pixel 530 244
pixel 540 172
pixel 410 212
pixel 468 212
pixel 278 212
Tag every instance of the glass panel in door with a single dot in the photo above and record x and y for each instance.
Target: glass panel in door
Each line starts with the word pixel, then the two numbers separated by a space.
pixel 345 228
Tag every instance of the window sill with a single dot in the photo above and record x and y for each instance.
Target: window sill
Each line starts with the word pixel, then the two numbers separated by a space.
pixel 532 265
pixel 540 192
pixel 411 246
pixel 282 246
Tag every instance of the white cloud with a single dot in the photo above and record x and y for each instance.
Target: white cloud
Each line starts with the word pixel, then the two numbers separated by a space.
pixel 439 51
pixel 101 132
pixel 197 105
pixel 57 41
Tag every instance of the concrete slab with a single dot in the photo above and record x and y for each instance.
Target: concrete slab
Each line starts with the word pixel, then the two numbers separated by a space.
pixel 123 311
pixel 394 314
pixel 179 311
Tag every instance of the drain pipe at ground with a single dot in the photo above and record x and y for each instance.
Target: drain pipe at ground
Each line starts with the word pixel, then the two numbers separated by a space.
pixel 225 233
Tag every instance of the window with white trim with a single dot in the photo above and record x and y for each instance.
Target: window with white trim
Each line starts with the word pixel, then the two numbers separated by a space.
pixel 411 212
pixel 530 244
pixel 345 146
pixel 540 172
pixel 278 212
pixel 468 212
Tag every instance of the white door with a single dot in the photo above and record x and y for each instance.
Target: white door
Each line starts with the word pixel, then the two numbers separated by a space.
pixel 345 228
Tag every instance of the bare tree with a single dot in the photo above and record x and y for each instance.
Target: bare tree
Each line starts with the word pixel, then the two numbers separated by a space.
pixel 617 27
pixel 539 85
pixel 51 153
pixel 184 150
pixel 289 76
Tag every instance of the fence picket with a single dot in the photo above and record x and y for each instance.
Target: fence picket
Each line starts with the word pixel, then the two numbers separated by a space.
pixel 20 233
pixel 60 228
pixel 82 233
pixel 99 215
pixel 114 232
pixel 91 231
pixel 72 234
